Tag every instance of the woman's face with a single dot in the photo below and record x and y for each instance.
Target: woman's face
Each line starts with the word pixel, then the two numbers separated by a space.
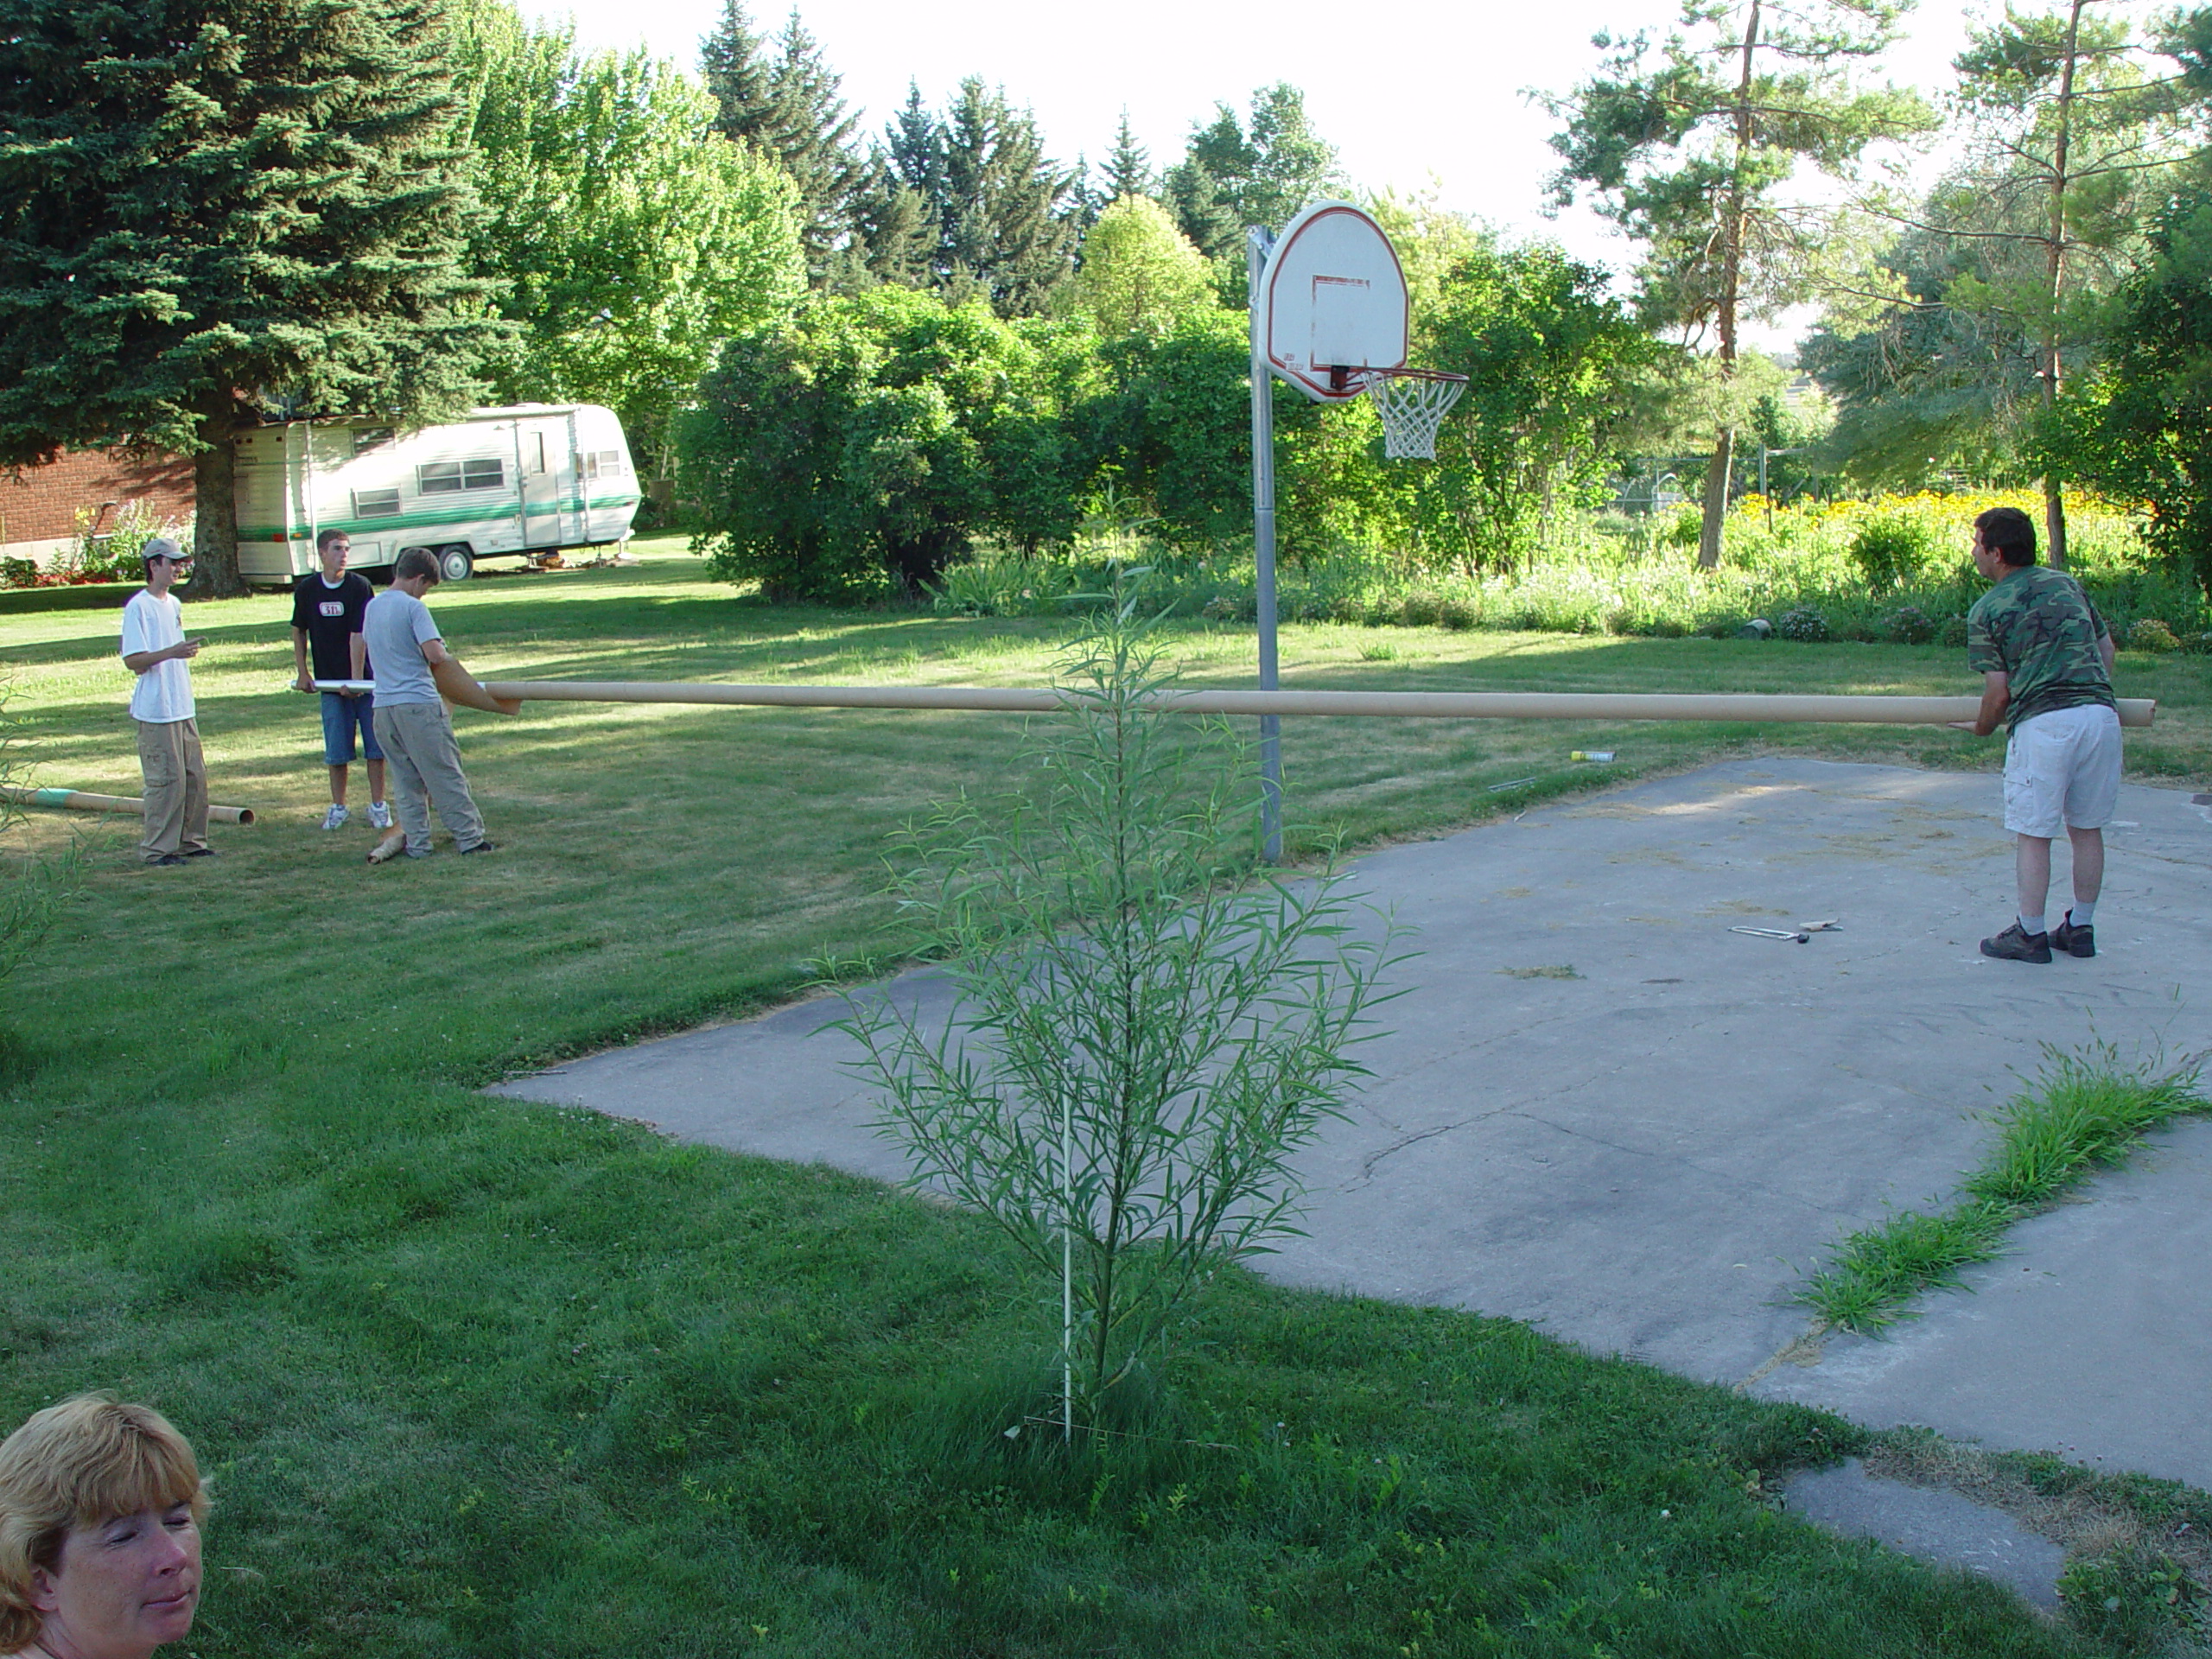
pixel 122 1587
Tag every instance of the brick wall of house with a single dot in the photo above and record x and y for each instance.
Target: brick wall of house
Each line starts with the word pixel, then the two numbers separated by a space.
pixel 38 506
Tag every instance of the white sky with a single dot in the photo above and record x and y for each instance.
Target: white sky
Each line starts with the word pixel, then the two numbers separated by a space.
pixel 1406 92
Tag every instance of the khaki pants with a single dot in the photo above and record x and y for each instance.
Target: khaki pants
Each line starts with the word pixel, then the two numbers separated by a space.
pixel 418 745
pixel 176 788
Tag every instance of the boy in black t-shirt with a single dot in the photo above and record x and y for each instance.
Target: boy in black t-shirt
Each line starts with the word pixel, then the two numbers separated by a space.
pixel 326 607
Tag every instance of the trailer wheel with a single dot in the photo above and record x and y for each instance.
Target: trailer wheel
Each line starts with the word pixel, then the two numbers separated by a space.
pixel 454 563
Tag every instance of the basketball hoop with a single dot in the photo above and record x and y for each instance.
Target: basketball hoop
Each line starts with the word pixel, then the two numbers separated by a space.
pixel 1411 405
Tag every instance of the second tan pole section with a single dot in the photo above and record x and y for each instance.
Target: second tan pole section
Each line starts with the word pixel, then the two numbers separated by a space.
pixel 1446 705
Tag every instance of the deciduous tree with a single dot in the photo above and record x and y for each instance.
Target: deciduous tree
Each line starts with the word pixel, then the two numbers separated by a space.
pixel 1688 147
pixel 1139 271
pixel 630 239
pixel 860 448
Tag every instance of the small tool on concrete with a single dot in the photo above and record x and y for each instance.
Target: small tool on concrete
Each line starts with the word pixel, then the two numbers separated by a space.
pixel 1832 925
pixel 1771 933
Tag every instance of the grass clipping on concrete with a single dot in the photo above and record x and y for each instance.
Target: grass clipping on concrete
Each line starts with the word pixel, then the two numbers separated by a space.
pixel 2086 1111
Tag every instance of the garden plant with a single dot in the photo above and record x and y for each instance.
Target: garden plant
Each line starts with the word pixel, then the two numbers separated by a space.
pixel 1145 1026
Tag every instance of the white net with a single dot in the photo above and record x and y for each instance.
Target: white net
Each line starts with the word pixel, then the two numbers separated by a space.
pixel 1412 403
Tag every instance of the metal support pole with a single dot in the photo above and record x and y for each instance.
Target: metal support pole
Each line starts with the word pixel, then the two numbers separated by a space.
pixel 1257 244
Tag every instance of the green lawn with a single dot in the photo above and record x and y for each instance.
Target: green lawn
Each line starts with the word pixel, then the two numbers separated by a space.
pixel 478 1378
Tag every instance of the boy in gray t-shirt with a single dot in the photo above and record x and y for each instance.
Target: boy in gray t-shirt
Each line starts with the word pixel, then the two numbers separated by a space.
pixel 413 728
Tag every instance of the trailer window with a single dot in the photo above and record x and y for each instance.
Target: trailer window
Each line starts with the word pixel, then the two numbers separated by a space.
pixel 603 463
pixel 377 504
pixel 450 477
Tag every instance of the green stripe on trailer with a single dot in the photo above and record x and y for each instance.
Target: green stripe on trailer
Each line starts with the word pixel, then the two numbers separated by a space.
pixel 274 535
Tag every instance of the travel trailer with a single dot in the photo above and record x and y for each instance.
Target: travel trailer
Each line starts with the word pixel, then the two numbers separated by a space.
pixel 528 480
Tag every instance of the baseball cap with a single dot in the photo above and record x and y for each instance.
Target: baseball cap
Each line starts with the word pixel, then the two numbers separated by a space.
pixel 161 547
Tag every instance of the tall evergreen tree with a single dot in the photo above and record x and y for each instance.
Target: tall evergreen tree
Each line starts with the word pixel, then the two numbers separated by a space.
pixel 212 206
pixel 1129 168
pixel 894 234
pixel 1232 175
pixel 2062 103
pixel 816 144
pixel 1003 209
pixel 781 98
pixel 734 62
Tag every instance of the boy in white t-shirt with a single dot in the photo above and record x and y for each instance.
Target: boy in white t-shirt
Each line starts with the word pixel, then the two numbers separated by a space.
pixel 156 649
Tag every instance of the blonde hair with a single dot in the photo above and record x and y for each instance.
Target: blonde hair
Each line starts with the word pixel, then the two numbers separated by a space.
pixel 86 1460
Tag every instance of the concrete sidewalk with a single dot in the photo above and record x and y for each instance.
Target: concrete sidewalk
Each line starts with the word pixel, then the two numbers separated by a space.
pixel 1603 1113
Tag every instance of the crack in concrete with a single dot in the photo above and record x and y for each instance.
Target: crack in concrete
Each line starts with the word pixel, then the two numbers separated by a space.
pixel 1686 1162
pixel 1805 1349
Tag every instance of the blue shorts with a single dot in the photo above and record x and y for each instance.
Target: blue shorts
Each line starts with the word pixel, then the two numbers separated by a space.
pixel 340 714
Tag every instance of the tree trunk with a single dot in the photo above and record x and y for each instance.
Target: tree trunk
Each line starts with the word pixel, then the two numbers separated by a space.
pixel 1712 529
pixel 214 490
pixel 2054 506
pixel 1716 498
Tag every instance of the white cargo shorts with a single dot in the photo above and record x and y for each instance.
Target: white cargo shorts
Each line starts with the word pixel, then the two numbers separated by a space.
pixel 2062 771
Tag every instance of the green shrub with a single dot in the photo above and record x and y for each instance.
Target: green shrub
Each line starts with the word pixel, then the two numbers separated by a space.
pixel 1910 626
pixel 1420 610
pixel 113 555
pixel 1456 614
pixel 18 572
pixel 1954 632
pixel 1892 549
pixel 2149 634
pixel 1803 625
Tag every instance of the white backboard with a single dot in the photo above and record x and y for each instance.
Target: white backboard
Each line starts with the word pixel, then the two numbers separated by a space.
pixel 1333 297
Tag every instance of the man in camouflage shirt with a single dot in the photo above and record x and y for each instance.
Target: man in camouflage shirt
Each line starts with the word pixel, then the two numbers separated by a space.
pixel 2045 657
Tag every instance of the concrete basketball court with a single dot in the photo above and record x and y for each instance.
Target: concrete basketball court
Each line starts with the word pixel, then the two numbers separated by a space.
pixel 1647 1157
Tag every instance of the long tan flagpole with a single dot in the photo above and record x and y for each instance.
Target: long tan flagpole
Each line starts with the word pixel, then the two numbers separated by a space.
pixel 1449 705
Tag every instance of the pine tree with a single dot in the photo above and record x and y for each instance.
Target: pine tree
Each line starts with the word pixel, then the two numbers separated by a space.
pixel 785 105
pixel 734 62
pixel 1002 209
pixel 1230 178
pixel 1128 169
pixel 216 205
pixel 894 234
pixel 1011 228
pixel 815 144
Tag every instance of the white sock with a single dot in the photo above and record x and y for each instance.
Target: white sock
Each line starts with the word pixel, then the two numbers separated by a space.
pixel 2081 915
pixel 2031 925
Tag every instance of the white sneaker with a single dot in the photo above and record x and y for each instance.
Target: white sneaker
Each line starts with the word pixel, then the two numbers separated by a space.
pixel 334 817
pixel 379 816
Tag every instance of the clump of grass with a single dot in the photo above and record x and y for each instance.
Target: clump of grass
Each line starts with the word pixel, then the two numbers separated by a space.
pixel 1878 1271
pixel 2086 1111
